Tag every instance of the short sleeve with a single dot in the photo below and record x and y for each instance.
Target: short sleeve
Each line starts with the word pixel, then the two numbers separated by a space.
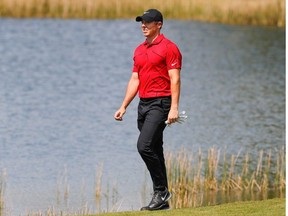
pixel 135 67
pixel 173 57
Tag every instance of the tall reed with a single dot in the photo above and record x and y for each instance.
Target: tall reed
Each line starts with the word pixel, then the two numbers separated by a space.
pixel 252 12
pixel 2 191
pixel 195 178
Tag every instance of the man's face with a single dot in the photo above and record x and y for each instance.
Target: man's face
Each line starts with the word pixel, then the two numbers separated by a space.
pixel 149 29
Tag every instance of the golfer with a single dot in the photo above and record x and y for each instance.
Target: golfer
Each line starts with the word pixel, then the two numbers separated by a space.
pixel 156 78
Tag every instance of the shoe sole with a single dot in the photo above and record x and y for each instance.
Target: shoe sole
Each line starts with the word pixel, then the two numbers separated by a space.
pixel 165 208
pixel 161 207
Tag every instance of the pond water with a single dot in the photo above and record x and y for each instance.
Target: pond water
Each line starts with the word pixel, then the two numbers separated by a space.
pixel 62 80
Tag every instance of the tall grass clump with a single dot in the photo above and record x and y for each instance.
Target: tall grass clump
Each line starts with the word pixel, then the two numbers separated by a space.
pixel 197 179
pixel 251 12
pixel 2 191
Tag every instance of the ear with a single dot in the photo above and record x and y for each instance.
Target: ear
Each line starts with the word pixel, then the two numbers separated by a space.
pixel 159 25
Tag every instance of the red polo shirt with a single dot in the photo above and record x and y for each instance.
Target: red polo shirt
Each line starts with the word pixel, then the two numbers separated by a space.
pixel 152 63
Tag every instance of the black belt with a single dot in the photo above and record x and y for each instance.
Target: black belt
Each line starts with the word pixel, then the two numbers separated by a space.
pixel 153 98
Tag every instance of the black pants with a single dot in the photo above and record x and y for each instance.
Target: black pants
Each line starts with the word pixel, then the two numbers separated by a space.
pixel 152 114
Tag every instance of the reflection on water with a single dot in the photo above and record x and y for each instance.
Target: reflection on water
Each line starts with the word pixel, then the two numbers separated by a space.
pixel 62 80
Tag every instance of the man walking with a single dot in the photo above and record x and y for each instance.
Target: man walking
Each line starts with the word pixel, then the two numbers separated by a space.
pixel 156 78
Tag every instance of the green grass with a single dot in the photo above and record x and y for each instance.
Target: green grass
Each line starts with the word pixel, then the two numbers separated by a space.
pixel 262 208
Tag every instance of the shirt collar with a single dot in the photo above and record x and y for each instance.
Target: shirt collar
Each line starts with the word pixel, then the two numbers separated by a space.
pixel 156 41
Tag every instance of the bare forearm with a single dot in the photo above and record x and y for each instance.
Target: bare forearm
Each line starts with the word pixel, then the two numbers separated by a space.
pixel 131 91
pixel 175 93
pixel 175 88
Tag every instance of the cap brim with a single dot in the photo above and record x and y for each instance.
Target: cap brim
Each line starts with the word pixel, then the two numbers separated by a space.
pixel 138 18
pixel 145 18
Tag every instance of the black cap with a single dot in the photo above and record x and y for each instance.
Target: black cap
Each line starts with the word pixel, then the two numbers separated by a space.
pixel 150 16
